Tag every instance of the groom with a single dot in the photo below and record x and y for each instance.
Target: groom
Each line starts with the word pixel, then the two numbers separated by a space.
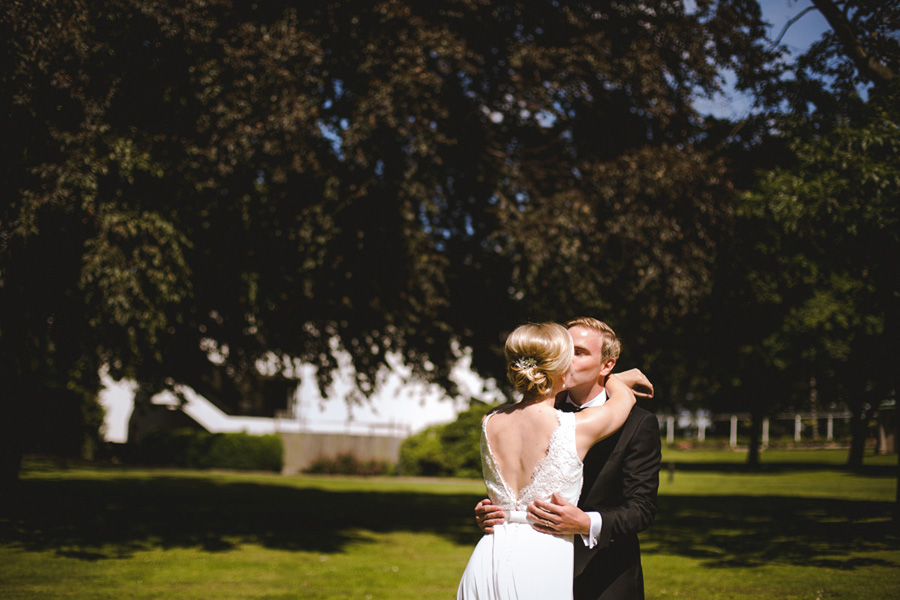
pixel 621 478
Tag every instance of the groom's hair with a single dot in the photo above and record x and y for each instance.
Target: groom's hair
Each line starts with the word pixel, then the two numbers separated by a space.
pixel 611 345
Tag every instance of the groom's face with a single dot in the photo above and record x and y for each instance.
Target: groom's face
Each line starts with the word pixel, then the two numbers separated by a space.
pixel 586 362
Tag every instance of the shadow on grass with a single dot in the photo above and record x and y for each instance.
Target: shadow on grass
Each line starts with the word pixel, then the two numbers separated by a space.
pixel 747 531
pixel 100 519
pixel 887 471
pixel 92 519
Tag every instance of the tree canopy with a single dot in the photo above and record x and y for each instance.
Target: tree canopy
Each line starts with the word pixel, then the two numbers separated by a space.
pixel 274 178
pixel 819 221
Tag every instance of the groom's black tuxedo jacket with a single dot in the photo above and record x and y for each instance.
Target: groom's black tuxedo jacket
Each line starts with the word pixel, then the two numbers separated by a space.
pixel 621 479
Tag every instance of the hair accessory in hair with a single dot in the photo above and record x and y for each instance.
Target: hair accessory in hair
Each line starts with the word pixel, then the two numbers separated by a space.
pixel 526 362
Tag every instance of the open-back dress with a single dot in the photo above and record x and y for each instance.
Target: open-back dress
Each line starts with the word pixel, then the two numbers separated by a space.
pixel 516 562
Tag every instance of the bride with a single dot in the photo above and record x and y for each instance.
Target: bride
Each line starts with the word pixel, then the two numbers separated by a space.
pixel 529 450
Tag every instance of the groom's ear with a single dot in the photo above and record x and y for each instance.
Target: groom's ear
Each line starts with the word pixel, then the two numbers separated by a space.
pixel 607 367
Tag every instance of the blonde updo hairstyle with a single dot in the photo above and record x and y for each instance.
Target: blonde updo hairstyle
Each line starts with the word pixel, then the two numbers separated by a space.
pixel 537 355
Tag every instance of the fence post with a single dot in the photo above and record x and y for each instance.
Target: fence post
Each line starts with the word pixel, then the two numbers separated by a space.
pixel 734 422
pixel 765 432
pixel 670 429
pixel 798 427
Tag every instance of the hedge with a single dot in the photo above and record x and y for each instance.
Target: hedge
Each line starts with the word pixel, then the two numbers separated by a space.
pixel 197 449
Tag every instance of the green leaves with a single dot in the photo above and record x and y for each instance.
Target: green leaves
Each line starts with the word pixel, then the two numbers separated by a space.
pixel 836 213
pixel 288 177
pixel 134 268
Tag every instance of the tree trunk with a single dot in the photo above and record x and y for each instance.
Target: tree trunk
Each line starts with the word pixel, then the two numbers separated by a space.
pixel 753 448
pixel 867 65
pixel 897 449
pixel 10 459
pixel 859 430
pixel 20 355
pixel 11 432
pixel 892 334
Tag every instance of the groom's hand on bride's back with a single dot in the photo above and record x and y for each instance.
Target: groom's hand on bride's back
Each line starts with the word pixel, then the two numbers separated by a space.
pixel 488 515
pixel 559 517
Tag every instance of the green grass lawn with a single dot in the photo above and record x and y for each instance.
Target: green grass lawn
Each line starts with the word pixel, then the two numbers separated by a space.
pixel 800 527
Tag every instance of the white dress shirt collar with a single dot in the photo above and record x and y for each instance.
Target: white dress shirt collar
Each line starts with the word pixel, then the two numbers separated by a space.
pixel 598 400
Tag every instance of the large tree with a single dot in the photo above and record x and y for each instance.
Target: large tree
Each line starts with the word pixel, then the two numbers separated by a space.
pixel 838 211
pixel 258 179
pixel 828 221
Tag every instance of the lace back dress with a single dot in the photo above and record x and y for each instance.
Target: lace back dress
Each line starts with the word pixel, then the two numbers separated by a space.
pixel 516 562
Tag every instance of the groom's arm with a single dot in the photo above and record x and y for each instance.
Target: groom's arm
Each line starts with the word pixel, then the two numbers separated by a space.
pixel 640 473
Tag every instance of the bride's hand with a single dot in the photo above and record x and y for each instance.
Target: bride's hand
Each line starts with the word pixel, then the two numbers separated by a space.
pixel 487 515
pixel 637 381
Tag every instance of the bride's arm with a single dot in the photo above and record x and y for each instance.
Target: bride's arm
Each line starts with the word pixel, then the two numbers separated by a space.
pixel 597 423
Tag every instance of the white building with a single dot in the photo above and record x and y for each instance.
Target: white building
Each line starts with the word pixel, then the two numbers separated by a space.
pixel 399 407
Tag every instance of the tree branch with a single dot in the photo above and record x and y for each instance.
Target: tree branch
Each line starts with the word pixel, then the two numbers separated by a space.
pixel 868 66
pixel 791 22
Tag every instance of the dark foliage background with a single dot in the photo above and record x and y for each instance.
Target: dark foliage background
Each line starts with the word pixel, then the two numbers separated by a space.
pixel 282 179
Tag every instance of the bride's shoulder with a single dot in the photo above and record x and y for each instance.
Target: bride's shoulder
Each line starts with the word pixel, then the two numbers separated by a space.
pixel 503 408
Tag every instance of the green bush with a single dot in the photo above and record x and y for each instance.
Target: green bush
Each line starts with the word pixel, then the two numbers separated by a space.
pixel 421 454
pixel 197 449
pixel 348 464
pixel 451 450
pixel 243 451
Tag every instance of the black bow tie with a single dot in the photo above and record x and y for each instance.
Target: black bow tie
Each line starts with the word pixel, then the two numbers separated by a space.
pixel 567 406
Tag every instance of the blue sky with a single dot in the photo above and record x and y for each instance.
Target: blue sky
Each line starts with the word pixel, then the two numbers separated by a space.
pixel 802 33
pixel 798 38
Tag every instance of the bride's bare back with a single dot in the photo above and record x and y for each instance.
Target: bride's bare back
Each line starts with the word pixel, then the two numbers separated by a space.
pixel 519 437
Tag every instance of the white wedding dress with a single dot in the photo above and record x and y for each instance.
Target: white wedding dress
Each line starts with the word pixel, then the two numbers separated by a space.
pixel 517 562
